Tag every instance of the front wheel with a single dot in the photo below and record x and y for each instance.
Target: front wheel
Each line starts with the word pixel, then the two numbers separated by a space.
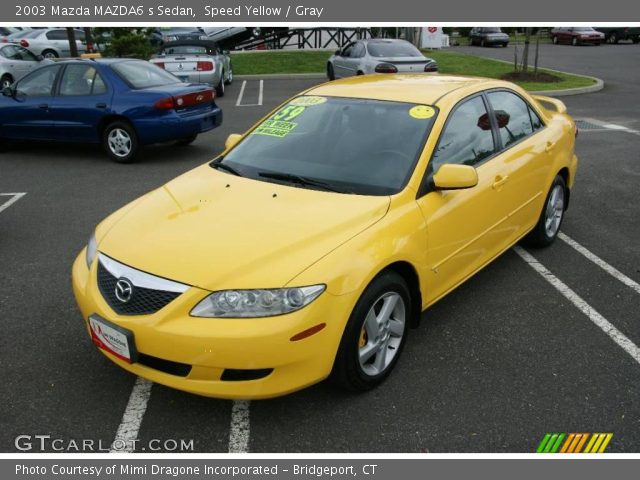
pixel 574 41
pixel 6 81
pixel 375 334
pixel 548 226
pixel 330 73
pixel 120 142
pixel 554 40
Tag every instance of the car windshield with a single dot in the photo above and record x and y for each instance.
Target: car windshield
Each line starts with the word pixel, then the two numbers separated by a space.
pixel 583 29
pixel 185 50
pixel 392 49
pixel 491 30
pixel 141 74
pixel 359 146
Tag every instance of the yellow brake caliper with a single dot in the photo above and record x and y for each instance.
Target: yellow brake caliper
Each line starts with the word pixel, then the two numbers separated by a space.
pixel 363 338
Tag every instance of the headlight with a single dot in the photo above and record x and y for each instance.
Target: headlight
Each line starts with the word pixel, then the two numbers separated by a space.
pixel 92 249
pixel 256 303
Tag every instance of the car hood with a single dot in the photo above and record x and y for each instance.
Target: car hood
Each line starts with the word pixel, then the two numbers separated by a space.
pixel 216 231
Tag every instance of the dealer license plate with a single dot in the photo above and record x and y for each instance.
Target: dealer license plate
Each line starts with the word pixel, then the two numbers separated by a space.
pixel 112 338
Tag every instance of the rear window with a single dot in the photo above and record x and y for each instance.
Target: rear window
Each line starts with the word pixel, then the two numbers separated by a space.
pixel 393 49
pixel 141 74
pixel 185 50
pixel 491 30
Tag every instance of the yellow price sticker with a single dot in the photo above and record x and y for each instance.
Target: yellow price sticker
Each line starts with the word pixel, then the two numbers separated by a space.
pixel 422 112
pixel 307 101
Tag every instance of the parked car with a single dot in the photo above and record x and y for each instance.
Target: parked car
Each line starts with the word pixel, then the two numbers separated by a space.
pixel 576 36
pixel 229 37
pixel 162 35
pixel 488 37
pixel 52 42
pixel 196 61
pixel 378 56
pixel 119 103
pixel 615 34
pixel 6 31
pixel 15 36
pixel 312 244
pixel 16 62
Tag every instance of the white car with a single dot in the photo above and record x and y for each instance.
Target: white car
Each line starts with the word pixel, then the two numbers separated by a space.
pixel 52 42
pixel 16 62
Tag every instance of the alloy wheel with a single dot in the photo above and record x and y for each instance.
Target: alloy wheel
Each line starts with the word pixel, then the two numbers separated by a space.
pixel 119 142
pixel 554 211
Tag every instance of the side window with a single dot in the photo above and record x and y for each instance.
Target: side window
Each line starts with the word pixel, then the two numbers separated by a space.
pixel 8 52
pixel 512 114
pixel 348 50
pixel 467 138
pixel 57 35
pixel 81 80
pixel 39 83
pixel 79 35
pixel 25 54
pixel 358 50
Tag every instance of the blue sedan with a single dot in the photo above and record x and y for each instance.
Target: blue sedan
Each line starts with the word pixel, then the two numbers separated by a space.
pixel 120 103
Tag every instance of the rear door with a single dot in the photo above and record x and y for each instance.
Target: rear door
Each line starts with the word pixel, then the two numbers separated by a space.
pixel 464 227
pixel 27 114
pixel 83 99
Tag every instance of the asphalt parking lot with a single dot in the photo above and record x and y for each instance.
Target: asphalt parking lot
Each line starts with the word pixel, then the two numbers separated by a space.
pixel 498 363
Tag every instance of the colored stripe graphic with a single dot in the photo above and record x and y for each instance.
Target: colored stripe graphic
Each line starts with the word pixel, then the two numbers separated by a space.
pixel 574 443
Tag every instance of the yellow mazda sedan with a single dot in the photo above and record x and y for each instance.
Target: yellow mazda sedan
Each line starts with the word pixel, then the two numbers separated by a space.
pixel 312 244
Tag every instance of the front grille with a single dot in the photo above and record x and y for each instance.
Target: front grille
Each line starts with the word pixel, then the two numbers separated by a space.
pixel 144 301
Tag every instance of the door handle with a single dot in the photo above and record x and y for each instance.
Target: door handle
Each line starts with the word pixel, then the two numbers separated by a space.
pixel 500 181
pixel 43 106
pixel 549 146
pixel 101 105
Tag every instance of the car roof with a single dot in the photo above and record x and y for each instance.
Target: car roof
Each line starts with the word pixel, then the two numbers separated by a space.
pixel 410 88
pixel 101 60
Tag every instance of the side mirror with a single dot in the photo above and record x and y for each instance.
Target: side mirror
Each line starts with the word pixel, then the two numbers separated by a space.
pixel 232 140
pixel 338 53
pixel 455 177
pixel 8 92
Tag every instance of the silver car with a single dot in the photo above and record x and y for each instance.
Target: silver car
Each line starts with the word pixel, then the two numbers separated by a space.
pixel 196 61
pixel 378 56
pixel 52 42
pixel 16 62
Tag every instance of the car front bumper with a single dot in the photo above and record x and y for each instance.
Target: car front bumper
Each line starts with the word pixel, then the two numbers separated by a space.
pixel 213 346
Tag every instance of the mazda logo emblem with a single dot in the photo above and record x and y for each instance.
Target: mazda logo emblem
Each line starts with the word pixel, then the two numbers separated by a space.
pixel 180 67
pixel 124 290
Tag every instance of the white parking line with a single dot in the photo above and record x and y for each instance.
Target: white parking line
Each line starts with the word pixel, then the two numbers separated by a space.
pixel 240 427
pixel 616 335
pixel 132 419
pixel 241 94
pixel 611 270
pixel 14 198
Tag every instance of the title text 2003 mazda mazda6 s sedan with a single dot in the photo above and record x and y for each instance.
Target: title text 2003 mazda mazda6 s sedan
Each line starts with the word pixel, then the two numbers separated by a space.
pixel 313 243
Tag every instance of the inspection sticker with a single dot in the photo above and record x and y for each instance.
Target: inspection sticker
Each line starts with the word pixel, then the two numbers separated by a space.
pixel 422 111
pixel 275 128
pixel 308 101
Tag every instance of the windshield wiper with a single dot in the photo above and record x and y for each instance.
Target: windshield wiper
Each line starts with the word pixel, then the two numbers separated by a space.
pixel 223 166
pixel 300 180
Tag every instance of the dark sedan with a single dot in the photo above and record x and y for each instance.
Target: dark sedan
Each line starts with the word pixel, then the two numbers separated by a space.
pixel 119 103
pixel 488 37
pixel 576 36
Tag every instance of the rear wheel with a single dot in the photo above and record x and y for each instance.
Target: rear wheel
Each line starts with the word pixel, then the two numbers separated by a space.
pixel 613 37
pixel 330 73
pixel 120 142
pixel 548 226
pixel 229 80
pixel 220 86
pixel 554 40
pixel 482 43
pixel 6 81
pixel 375 334
pixel 574 41
pixel 49 54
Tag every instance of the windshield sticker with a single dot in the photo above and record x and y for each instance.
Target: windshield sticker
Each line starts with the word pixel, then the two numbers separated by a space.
pixel 422 112
pixel 275 128
pixel 288 113
pixel 308 101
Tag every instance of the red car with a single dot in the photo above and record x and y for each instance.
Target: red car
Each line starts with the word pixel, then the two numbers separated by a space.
pixel 577 36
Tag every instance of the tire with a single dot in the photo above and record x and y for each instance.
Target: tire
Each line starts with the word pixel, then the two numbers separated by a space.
pixel 554 40
pixel 360 72
pixel 352 369
pixel 6 81
pixel 542 235
pixel 187 141
pixel 330 73
pixel 574 41
pixel 50 54
pixel 482 43
pixel 504 45
pixel 120 141
pixel 613 37
pixel 220 86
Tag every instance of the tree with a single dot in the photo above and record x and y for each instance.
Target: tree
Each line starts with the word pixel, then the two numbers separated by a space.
pixel 525 51
pixel 73 46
